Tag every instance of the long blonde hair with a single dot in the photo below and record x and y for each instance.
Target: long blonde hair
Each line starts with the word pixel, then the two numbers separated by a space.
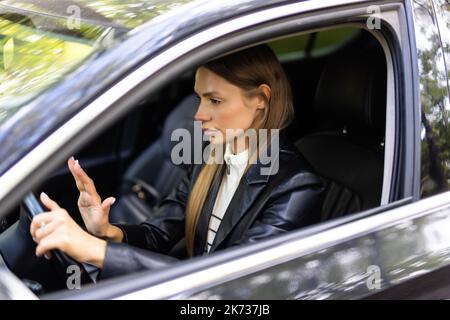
pixel 246 69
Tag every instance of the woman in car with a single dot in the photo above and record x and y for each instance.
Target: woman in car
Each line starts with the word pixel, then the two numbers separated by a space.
pixel 217 205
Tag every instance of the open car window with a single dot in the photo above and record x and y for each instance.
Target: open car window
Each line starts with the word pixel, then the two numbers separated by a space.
pixel 148 176
pixel 313 45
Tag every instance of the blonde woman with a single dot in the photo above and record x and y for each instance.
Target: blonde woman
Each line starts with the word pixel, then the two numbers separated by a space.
pixel 217 204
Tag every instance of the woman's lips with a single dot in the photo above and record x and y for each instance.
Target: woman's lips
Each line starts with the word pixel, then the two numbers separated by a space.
pixel 210 132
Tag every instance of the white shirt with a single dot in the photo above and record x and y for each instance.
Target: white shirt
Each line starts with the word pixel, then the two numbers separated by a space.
pixel 236 164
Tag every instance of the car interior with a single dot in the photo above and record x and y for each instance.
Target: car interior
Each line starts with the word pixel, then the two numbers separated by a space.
pixel 338 79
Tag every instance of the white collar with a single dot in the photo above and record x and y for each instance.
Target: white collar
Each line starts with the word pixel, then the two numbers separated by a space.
pixel 239 159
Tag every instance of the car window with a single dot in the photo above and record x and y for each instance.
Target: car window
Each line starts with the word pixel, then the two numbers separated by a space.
pixel 35 52
pixel 442 8
pixel 313 44
pixel 41 41
pixel 435 141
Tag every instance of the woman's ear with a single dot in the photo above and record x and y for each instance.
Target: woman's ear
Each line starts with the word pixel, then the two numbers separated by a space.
pixel 266 92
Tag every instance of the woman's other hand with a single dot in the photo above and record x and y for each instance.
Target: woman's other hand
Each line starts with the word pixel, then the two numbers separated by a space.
pixel 55 229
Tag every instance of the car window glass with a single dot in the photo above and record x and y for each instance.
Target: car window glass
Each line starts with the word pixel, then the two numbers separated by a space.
pixel 442 8
pixel 313 44
pixel 435 139
pixel 40 41
pixel 36 52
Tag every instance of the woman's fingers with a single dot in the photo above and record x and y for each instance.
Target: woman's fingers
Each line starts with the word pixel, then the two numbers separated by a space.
pixel 44 230
pixel 56 230
pixel 49 203
pixel 40 220
pixel 70 164
pixel 51 230
pixel 83 181
pixel 107 203
pixel 47 244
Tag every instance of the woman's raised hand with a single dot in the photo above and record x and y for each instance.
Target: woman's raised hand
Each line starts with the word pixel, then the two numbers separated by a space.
pixel 94 212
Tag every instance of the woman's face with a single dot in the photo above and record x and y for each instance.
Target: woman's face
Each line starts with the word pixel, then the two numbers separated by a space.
pixel 223 106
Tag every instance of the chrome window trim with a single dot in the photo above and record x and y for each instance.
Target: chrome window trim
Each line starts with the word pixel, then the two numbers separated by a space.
pixel 391 16
pixel 389 143
pixel 389 140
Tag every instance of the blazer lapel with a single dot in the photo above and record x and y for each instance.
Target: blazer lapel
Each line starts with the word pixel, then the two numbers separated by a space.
pixel 250 186
pixel 242 200
pixel 203 221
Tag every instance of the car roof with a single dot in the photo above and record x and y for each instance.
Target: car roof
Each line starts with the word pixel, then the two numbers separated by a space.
pixel 31 124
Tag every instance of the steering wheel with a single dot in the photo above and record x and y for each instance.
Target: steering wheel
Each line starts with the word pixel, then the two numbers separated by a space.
pixel 59 259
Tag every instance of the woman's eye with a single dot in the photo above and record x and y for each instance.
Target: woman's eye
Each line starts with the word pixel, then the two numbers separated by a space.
pixel 214 101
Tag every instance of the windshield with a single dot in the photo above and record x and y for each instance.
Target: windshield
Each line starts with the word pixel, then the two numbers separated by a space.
pixel 43 40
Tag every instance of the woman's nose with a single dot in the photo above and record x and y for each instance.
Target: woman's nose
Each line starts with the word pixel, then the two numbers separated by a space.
pixel 202 114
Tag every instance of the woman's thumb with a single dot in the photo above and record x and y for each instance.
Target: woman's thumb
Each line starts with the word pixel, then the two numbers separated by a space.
pixel 107 203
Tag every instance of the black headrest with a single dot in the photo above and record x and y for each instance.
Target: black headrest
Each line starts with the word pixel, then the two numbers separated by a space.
pixel 181 117
pixel 351 93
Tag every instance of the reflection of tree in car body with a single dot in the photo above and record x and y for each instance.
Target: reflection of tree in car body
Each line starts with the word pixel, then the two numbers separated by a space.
pixel 434 100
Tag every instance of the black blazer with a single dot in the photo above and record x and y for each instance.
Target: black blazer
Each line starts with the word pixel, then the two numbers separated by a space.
pixel 262 206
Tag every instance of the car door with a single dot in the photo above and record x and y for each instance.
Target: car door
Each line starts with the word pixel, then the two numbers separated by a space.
pixel 358 256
